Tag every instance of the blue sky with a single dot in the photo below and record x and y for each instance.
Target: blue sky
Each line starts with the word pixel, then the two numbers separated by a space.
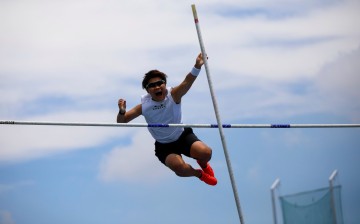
pixel 275 61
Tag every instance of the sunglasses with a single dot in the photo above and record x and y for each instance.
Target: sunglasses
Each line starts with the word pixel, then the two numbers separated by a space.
pixel 155 84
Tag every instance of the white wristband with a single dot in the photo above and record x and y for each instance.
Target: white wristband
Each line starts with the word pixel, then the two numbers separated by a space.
pixel 195 71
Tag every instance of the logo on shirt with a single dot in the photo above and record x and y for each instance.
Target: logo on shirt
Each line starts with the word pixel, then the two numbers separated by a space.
pixel 159 107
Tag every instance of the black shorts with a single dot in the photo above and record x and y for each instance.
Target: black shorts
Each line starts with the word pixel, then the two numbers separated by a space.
pixel 180 146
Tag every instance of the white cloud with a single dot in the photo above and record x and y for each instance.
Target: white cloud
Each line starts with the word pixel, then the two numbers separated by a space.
pixel 80 48
pixel 82 51
pixel 134 163
pixel 91 52
pixel 288 49
pixel 332 90
pixel 338 85
pixel 27 142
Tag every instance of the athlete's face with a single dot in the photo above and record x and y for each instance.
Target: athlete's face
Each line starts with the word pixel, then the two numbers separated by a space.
pixel 156 87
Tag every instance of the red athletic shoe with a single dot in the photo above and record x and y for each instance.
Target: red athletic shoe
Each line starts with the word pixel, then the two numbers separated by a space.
pixel 207 169
pixel 207 178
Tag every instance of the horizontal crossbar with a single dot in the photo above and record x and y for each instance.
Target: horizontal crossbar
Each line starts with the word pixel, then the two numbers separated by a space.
pixel 51 123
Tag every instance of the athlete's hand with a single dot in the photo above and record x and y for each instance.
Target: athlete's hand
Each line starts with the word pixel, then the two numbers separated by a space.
pixel 199 61
pixel 122 104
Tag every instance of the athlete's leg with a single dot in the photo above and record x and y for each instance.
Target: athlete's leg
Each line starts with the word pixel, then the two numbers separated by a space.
pixel 201 152
pixel 176 163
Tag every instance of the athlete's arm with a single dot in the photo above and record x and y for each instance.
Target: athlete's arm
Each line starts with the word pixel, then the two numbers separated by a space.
pixel 179 91
pixel 125 116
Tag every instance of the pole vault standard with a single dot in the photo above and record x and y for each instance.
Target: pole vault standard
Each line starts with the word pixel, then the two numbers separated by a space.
pixel 139 125
pixel 220 126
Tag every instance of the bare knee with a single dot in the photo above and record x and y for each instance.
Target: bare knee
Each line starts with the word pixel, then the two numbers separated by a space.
pixel 206 153
pixel 201 151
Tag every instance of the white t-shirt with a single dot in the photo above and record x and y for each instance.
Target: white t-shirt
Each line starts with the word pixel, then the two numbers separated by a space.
pixel 163 112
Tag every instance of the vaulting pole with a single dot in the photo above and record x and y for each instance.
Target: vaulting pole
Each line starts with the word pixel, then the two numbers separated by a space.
pixel 227 157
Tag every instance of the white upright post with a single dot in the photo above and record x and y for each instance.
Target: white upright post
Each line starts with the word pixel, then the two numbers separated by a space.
pixel 331 182
pixel 272 190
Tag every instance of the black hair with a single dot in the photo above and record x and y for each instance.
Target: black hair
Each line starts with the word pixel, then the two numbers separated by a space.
pixel 152 74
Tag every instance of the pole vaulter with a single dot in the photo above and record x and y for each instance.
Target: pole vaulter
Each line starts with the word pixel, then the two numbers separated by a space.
pixel 219 124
